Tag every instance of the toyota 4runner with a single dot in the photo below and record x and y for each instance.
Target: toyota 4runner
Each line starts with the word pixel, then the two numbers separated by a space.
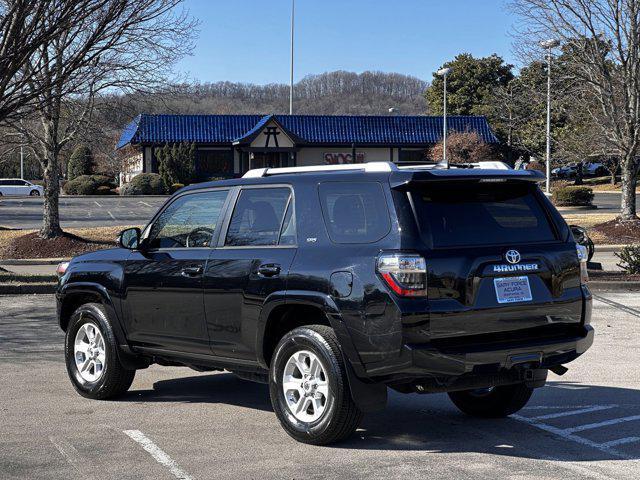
pixel 333 284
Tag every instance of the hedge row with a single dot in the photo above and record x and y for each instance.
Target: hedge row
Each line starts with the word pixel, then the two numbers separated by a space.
pixel 573 196
pixel 89 185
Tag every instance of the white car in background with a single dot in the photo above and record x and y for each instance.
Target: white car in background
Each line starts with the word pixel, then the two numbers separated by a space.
pixel 18 187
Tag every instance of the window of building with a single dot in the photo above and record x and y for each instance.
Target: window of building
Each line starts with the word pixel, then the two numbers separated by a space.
pixel 214 163
pixel 415 156
pixel 258 217
pixel 354 212
pixel 189 221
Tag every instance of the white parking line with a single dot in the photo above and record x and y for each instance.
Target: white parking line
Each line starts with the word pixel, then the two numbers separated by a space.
pixel 574 412
pixel 590 426
pixel 575 438
pixel 157 453
pixel 144 203
pixel 621 441
pixel 97 203
pixel 111 215
pixel 71 455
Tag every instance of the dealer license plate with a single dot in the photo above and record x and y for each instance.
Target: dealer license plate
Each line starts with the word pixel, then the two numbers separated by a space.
pixel 512 289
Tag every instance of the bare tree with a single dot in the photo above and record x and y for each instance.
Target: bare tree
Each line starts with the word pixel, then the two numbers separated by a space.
pixel 603 37
pixel 25 26
pixel 120 45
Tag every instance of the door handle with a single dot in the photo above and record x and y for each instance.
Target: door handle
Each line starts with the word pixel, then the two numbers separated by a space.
pixel 269 269
pixel 192 271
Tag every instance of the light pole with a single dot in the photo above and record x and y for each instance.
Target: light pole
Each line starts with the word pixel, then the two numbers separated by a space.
pixel 548 45
pixel 293 10
pixel 443 72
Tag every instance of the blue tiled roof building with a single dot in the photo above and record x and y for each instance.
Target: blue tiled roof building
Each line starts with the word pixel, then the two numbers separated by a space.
pixel 228 145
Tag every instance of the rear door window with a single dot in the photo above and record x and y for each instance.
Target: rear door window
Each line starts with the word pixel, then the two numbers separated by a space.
pixel 481 214
pixel 259 218
pixel 354 212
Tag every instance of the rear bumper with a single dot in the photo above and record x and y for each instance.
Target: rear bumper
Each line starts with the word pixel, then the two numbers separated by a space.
pixel 416 361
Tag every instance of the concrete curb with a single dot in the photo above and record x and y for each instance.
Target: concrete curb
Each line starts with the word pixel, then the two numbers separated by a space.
pixel 115 196
pixel 618 286
pixel 27 288
pixel 577 207
pixel 608 248
pixel 33 261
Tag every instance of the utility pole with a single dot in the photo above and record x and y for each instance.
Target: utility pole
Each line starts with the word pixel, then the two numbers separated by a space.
pixel 443 72
pixel 549 44
pixel 293 10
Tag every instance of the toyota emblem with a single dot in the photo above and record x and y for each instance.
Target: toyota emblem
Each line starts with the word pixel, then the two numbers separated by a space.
pixel 512 256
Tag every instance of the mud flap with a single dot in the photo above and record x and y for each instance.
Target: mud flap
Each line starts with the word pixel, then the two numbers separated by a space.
pixel 369 397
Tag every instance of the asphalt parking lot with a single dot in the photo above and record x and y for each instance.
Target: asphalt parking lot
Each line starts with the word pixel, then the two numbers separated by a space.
pixel 176 423
pixel 104 211
pixel 80 212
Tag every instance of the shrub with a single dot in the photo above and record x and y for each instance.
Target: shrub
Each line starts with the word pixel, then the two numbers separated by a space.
pixel 103 190
pixel 175 187
pixel 80 162
pixel 176 162
pixel 463 147
pixel 87 185
pixel 630 258
pixel 573 196
pixel 144 184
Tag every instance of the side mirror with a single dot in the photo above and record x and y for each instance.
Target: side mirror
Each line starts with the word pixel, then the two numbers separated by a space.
pixel 130 238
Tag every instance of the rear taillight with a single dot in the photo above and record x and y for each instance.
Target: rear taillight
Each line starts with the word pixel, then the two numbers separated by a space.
pixel 583 255
pixel 404 273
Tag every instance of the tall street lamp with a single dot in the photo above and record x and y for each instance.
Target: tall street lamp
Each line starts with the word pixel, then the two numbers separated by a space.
pixel 548 45
pixel 293 11
pixel 444 72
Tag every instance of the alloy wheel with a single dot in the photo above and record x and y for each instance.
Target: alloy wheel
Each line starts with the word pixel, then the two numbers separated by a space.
pixel 89 352
pixel 305 386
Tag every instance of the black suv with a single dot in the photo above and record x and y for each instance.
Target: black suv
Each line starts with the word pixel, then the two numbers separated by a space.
pixel 332 284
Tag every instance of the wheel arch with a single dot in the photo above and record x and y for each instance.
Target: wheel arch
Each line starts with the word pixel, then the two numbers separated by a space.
pixel 277 318
pixel 73 295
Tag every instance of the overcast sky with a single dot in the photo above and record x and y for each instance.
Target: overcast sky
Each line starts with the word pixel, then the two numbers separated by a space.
pixel 248 40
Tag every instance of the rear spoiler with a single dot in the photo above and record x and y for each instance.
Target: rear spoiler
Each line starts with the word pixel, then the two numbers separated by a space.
pixel 403 179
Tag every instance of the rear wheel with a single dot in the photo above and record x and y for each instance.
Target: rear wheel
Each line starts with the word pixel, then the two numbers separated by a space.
pixel 92 357
pixel 309 388
pixel 494 402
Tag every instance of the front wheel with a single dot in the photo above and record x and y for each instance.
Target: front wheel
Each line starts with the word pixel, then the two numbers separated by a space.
pixel 494 402
pixel 34 193
pixel 91 355
pixel 309 387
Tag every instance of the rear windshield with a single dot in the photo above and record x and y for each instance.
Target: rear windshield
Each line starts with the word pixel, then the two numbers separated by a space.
pixel 481 214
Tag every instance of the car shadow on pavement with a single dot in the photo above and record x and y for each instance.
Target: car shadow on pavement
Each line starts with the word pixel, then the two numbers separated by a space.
pixel 217 388
pixel 563 422
pixel 599 416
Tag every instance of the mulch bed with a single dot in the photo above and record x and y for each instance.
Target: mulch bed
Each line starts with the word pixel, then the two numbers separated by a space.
pixel 619 232
pixel 32 246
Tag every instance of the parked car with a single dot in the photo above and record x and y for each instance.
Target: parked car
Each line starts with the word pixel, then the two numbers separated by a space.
pixel 566 171
pixel 594 169
pixel 333 284
pixel 18 187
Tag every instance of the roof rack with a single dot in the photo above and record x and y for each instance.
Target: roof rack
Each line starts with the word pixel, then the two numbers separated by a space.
pixel 369 167
pixel 366 167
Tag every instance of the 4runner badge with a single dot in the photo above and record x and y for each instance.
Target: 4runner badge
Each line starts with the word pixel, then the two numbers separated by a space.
pixel 513 257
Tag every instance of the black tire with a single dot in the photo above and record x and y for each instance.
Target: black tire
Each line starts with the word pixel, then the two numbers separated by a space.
pixel 34 193
pixel 115 379
pixel 495 403
pixel 341 416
